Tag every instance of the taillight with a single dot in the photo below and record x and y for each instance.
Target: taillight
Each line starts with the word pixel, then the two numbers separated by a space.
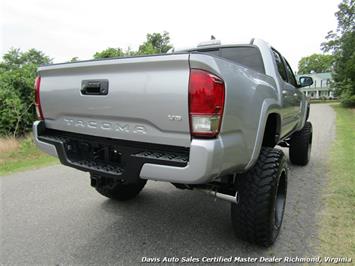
pixel 206 103
pixel 37 98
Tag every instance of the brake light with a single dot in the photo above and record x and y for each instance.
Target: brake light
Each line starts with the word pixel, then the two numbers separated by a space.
pixel 37 98
pixel 206 103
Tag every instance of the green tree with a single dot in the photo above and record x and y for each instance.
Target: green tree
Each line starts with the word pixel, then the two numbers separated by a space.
pixel 109 52
pixel 15 59
pixel 316 62
pixel 17 74
pixel 342 45
pixel 74 59
pixel 156 43
pixel 130 52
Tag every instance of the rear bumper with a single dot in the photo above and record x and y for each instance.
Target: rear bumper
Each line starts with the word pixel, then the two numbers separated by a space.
pixel 203 163
pixel 38 126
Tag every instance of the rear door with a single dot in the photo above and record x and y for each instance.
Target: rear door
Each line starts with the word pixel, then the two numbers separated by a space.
pixel 297 94
pixel 287 96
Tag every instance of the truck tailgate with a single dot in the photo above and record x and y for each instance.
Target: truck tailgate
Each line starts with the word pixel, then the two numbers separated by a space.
pixel 147 98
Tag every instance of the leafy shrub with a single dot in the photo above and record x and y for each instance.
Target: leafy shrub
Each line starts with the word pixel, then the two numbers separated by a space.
pixel 17 74
pixel 348 101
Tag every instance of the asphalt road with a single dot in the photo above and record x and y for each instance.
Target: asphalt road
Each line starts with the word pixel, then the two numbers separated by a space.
pixel 52 216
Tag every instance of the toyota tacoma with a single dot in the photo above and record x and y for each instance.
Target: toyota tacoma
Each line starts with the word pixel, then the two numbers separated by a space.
pixel 206 118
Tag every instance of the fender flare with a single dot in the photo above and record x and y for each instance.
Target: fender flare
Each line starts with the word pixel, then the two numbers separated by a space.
pixel 269 106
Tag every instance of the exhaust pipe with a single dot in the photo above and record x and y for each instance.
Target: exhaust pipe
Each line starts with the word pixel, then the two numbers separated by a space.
pixel 234 199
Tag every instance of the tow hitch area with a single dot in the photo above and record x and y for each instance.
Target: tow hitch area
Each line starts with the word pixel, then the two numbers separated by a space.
pixel 117 159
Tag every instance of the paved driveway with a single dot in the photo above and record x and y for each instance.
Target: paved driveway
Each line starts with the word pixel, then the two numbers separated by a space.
pixel 53 216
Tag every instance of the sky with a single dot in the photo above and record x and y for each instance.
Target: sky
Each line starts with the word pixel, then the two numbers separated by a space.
pixel 64 29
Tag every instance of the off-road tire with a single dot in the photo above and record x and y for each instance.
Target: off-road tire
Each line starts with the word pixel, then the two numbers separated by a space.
pixel 122 192
pixel 257 218
pixel 300 145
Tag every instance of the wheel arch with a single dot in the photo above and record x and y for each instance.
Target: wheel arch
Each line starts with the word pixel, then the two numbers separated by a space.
pixel 270 116
pixel 272 130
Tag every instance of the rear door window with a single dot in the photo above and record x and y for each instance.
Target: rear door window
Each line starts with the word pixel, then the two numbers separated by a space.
pixel 280 65
pixel 291 76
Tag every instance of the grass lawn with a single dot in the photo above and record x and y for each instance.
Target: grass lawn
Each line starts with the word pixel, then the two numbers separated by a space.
pixel 21 154
pixel 315 101
pixel 337 221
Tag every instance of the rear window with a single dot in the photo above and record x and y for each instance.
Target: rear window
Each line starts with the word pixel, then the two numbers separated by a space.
pixel 248 56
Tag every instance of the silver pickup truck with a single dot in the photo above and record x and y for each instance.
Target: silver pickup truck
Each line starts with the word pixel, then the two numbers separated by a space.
pixel 206 118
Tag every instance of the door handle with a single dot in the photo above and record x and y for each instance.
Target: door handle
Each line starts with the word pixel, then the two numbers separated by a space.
pixel 284 92
pixel 94 87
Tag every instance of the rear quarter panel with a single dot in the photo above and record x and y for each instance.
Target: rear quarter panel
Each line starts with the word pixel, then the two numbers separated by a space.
pixel 250 97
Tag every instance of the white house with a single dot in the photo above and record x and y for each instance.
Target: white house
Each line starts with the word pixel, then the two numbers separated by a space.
pixel 321 86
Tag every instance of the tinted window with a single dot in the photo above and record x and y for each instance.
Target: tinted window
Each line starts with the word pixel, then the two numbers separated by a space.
pixel 280 65
pixel 291 77
pixel 210 52
pixel 247 56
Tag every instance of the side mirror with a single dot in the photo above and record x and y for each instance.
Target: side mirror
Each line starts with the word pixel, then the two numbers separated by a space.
pixel 305 81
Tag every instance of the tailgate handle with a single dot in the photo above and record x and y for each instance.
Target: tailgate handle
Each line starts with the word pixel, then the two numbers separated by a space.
pixel 94 87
